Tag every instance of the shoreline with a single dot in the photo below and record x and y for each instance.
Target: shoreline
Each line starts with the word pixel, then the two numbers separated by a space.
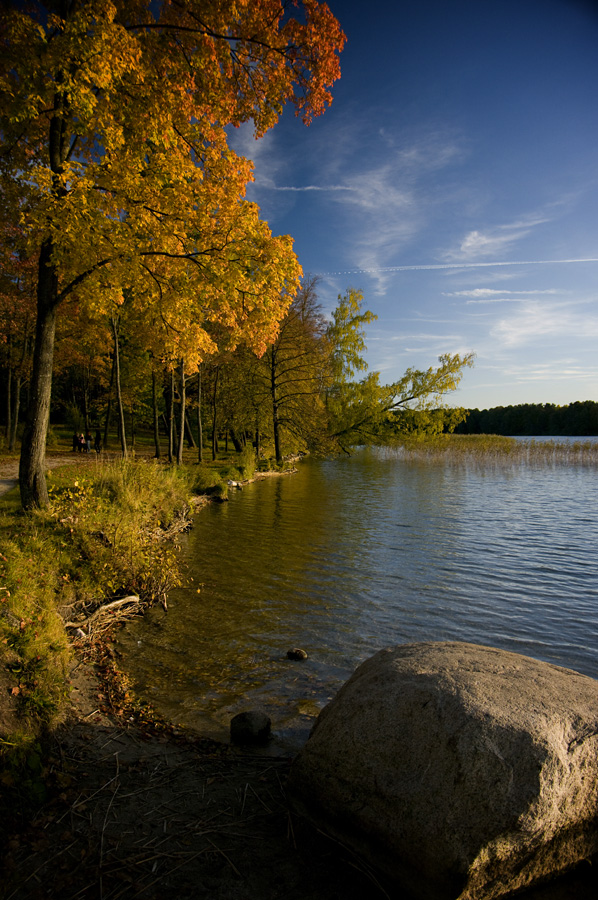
pixel 136 806
pixel 139 807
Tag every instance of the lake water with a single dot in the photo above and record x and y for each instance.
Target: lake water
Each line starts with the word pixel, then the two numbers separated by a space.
pixel 351 555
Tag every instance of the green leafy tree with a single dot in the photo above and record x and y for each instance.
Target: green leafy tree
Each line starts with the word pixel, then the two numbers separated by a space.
pixel 296 372
pixel 367 412
pixel 346 334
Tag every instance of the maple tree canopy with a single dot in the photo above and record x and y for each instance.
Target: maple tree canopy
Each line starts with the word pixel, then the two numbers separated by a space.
pixel 115 160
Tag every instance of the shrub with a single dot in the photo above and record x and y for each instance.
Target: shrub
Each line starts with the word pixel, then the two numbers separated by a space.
pixel 229 473
pixel 247 462
pixel 206 480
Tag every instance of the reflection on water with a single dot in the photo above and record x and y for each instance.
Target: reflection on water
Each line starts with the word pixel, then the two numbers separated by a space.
pixel 351 555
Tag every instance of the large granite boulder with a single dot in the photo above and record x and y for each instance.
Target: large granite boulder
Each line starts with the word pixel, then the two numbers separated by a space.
pixel 461 771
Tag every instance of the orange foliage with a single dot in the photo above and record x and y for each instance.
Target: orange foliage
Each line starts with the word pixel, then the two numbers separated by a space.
pixel 114 131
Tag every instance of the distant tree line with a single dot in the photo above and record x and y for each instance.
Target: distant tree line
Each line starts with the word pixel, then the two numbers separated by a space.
pixel 533 420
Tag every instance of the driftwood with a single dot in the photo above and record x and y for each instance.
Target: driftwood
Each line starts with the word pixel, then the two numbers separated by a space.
pixel 107 607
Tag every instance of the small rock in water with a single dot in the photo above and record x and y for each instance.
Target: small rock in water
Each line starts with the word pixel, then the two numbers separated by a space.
pixel 296 653
pixel 252 727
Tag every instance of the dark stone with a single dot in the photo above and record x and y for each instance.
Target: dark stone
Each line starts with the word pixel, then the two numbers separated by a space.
pixel 252 727
pixel 296 653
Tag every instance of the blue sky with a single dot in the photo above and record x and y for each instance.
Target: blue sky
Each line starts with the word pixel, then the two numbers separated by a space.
pixel 453 180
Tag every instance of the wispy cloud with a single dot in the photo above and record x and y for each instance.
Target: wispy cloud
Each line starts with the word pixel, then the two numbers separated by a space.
pixel 535 320
pixel 391 204
pixel 561 369
pixel 490 294
pixel 481 243
pixel 372 184
pixel 474 265
pixel 486 296
pixel 307 187
pixel 425 336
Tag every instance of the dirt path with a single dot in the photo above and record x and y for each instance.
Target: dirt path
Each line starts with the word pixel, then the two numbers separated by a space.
pixel 9 468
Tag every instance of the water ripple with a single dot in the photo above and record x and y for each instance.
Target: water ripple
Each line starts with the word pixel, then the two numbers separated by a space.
pixel 352 555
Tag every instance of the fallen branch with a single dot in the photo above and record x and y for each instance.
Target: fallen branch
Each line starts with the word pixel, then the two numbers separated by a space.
pixel 107 607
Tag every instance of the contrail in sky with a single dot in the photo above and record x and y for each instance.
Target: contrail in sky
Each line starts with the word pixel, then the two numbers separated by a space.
pixel 478 265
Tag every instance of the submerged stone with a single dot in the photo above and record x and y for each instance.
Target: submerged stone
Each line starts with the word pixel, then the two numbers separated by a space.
pixel 251 727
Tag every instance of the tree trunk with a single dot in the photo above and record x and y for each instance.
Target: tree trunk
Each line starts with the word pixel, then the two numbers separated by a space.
pixel 179 456
pixel 215 417
pixel 275 420
pixel 32 477
pixel 276 426
pixel 8 392
pixel 199 422
pixel 156 419
pixel 132 426
pixel 190 439
pixel 175 427
pixel 15 416
pixel 236 442
pixel 86 381
pixel 258 448
pixel 170 408
pixel 108 411
pixel 119 399
pixel 85 411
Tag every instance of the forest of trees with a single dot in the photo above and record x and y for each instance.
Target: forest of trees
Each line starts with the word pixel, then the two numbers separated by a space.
pixel 136 280
pixel 300 393
pixel 533 419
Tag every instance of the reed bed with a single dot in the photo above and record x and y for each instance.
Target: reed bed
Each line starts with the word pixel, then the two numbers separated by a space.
pixel 492 449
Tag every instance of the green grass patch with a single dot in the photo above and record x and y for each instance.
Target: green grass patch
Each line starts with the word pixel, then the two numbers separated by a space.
pixel 209 481
pixel 102 537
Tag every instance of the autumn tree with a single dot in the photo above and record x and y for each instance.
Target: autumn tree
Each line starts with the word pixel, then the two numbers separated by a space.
pixel 114 150
pixel 81 366
pixel 346 333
